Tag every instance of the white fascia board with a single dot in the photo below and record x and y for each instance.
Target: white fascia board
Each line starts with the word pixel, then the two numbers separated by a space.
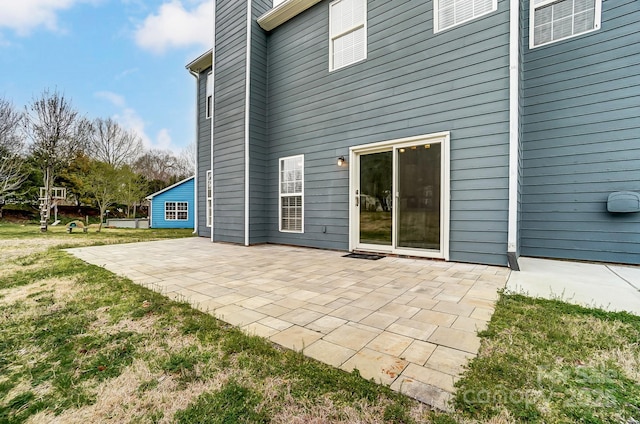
pixel 283 12
pixel 201 63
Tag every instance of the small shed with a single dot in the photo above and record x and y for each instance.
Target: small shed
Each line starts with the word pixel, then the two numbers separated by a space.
pixel 173 207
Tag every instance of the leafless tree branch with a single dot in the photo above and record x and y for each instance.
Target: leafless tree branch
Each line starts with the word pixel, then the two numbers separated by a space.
pixel 112 144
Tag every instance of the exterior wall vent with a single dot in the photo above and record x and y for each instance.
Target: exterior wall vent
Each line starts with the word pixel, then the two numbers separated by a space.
pixel 623 202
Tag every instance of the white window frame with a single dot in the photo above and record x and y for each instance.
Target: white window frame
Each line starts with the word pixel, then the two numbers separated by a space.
pixel 436 16
pixel 208 102
pixel 597 19
pixel 333 37
pixel 174 210
pixel 209 196
pixel 281 195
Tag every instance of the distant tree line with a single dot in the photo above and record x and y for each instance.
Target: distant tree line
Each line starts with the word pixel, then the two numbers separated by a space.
pixel 100 163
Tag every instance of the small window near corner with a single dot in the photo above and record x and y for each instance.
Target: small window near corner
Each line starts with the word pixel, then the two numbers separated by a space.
pixel 555 20
pixel 209 105
pixel 209 208
pixel 291 171
pixel 449 13
pixel 277 2
pixel 347 32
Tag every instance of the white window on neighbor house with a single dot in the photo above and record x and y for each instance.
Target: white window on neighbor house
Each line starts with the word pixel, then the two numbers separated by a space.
pixel 176 211
pixel 449 13
pixel 292 194
pixel 277 2
pixel 209 105
pixel 209 207
pixel 347 32
pixel 553 20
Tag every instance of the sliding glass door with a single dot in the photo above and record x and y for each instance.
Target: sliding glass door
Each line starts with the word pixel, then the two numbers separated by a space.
pixel 399 197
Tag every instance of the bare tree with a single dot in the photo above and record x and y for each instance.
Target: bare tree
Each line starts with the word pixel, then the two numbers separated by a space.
pixel 157 164
pixel 111 143
pixel 187 160
pixel 57 133
pixel 10 120
pixel 12 171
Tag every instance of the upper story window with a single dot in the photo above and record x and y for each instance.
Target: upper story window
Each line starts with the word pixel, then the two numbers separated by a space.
pixel 347 32
pixel 553 20
pixel 449 13
pixel 292 194
pixel 209 105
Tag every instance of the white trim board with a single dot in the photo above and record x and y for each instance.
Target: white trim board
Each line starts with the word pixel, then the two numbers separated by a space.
pixel 247 101
pixel 514 132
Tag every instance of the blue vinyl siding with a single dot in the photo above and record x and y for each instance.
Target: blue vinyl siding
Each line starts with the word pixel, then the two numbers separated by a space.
pixel 412 83
pixel 179 193
pixel 581 125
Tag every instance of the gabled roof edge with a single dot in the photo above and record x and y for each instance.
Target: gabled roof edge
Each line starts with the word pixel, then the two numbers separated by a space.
pixel 283 12
pixel 151 196
pixel 203 61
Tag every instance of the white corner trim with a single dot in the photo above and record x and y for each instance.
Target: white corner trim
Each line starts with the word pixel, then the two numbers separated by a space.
pixel 283 12
pixel 514 136
pixel 247 99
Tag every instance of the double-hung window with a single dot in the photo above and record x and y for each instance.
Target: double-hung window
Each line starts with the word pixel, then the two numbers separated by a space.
pixel 176 211
pixel 209 105
pixel 449 13
pixel 292 194
pixel 347 32
pixel 554 20
pixel 209 207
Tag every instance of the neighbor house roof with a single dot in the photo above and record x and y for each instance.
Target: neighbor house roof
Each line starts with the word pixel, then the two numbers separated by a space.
pixel 283 12
pixel 151 196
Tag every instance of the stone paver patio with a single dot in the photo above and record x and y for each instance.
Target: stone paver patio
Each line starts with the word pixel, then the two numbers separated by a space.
pixel 407 323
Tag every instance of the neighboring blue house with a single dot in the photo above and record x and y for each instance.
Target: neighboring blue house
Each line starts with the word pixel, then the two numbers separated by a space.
pixel 173 207
pixel 467 130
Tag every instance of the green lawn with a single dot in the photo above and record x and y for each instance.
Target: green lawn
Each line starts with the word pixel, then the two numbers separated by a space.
pixel 80 344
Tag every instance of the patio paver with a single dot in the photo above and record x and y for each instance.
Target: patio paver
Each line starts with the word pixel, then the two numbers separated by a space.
pixel 407 323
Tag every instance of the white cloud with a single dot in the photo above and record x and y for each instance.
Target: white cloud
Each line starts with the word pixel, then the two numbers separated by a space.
pixel 23 16
pixel 130 119
pixel 115 99
pixel 163 139
pixel 176 26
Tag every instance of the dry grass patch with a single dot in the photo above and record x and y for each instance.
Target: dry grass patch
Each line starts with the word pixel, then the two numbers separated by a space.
pixel 83 345
pixel 548 361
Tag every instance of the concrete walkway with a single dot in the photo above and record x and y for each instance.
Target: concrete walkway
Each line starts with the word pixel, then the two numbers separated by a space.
pixel 610 287
pixel 410 324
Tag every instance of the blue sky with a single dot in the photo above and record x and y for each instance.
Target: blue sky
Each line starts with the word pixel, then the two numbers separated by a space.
pixel 114 58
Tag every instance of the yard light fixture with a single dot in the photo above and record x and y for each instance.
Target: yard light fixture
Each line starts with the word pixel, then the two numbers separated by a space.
pixel 341 161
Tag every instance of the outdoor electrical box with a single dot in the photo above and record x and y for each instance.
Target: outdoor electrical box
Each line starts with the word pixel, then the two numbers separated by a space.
pixel 623 202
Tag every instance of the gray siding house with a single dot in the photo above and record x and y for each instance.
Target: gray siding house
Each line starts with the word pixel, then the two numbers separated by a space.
pixel 466 130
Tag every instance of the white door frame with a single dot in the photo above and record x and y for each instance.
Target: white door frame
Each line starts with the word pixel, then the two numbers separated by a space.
pixel 354 182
